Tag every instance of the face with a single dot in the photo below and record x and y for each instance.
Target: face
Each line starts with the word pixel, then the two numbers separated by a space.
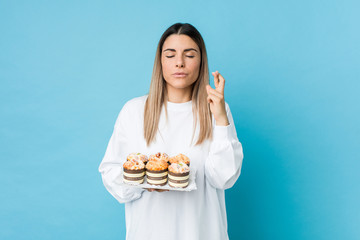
pixel 180 61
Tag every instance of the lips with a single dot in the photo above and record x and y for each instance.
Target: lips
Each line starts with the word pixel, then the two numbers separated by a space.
pixel 179 74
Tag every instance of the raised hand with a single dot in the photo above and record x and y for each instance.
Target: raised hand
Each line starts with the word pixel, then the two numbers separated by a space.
pixel 216 100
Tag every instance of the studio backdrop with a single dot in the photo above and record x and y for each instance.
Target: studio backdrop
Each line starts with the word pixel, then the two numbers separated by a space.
pixel 292 83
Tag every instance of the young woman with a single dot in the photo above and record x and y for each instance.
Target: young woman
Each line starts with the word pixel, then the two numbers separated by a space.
pixel 181 113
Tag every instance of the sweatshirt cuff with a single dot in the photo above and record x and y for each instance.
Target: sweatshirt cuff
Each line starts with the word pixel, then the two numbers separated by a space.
pixel 221 132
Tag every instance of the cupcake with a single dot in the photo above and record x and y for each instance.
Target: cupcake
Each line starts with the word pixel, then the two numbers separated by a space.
pixel 156 172
pixel 179 175
pixel 180 158
pixel 134 171
pixel 159 157
pixel 137 156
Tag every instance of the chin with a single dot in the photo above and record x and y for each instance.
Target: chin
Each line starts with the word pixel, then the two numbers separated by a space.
pixel 179 83
pixel 182 86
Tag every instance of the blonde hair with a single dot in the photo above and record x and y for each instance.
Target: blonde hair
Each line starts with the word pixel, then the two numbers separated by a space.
pixel 157 96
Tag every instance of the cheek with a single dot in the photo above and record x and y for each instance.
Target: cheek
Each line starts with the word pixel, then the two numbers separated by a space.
pixel 195 66
pixel 165 68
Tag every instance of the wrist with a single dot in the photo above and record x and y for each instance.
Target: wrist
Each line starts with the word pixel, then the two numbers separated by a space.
pixel 222 122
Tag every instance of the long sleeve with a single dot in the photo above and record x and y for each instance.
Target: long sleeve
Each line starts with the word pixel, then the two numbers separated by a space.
pixel 224 162
pixel 115 155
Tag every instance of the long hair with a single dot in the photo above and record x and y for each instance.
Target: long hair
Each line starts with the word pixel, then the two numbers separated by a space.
pixel 157 97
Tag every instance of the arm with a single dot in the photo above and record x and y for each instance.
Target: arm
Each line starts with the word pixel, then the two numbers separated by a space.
pixel 115 155
pixel 223 164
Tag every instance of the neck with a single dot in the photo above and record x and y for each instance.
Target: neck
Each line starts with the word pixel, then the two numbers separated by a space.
pixel 177 95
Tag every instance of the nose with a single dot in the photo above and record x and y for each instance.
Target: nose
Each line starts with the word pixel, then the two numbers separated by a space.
pixel 179 62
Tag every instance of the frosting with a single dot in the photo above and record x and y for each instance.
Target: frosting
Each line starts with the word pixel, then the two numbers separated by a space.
pixel 180 185
pixel 159 156
pixel 179 178
pixel 156 165
pixel 161 181
pixel 179 158
pixel 134 164
pixel 137 156
pixel 156 174
pixel 179 167
pixel 134 174
pixel 182 158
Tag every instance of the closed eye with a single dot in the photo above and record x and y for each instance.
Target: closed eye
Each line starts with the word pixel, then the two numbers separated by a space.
pixel 173 56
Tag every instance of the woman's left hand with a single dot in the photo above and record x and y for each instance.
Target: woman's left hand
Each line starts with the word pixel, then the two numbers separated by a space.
pixel 216 100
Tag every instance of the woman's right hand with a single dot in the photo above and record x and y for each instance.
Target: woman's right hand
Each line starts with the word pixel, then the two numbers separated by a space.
pixel 158 190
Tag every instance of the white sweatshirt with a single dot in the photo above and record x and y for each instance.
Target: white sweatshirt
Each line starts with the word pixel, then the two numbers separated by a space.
pixel 174 215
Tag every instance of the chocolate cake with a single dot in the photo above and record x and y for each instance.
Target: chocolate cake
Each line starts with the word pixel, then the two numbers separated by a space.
pixel 133 171
pixel 156 172
pixel 178 174
pixel 134 176
pixel 158 178
pixel 178 179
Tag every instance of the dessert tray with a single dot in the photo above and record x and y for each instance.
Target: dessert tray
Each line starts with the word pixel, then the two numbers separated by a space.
pixel 190 187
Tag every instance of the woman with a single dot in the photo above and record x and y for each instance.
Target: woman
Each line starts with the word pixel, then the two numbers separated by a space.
pixel 181 106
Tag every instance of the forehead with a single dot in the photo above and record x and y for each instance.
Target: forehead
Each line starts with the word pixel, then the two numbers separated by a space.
pixel 179 42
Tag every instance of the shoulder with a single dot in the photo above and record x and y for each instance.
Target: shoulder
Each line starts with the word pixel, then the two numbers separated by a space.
pixel 131 110
pixel 135 103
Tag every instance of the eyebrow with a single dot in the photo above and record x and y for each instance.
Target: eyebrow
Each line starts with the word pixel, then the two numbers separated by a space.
pixel 186 50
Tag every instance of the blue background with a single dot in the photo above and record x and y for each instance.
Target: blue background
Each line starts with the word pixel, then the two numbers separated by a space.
pixel 292 83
